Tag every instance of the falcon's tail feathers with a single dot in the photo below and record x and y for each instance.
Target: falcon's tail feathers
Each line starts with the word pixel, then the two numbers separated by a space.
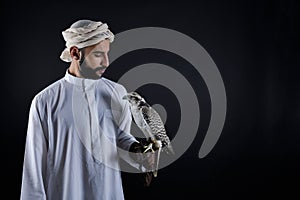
pixel 169 150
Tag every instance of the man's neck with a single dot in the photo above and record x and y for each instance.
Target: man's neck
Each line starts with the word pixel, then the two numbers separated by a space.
pixel 74 70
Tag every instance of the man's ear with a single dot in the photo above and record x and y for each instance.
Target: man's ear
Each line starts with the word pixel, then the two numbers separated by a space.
pixel 74 52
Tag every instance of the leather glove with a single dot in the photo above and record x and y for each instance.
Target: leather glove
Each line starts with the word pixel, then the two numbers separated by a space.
pixel 147 160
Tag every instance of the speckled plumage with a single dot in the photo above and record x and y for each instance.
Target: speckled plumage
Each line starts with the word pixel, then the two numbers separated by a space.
pixel 149 121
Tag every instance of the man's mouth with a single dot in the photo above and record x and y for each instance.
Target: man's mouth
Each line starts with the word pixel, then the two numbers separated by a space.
pixel 100 70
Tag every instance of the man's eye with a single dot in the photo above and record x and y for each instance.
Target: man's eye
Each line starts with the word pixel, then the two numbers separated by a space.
pixel 97 54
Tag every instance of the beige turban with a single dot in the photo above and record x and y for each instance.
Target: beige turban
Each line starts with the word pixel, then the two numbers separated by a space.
pixel 84 33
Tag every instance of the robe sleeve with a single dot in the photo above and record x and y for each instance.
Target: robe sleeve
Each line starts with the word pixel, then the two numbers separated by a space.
pixel 35 156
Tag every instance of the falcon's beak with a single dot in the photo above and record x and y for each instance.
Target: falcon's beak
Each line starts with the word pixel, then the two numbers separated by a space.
pixel 126 97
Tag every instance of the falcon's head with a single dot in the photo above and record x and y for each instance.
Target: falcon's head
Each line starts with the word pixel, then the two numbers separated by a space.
pixel 134 98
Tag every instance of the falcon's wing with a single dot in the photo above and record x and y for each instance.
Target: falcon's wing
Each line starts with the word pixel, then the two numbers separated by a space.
pixel 156 125
pixel 153 120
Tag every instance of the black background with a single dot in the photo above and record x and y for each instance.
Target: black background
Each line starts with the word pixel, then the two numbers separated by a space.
pixel 255 45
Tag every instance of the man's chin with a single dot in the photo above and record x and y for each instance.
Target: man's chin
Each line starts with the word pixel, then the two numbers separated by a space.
pixel 89 73
pixel 99 75
pixel 96 77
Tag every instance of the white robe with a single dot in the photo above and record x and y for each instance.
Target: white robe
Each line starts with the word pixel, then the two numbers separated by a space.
pixel 75 128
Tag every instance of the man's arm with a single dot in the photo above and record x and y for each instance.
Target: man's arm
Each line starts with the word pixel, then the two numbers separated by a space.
pixel 125 138
pixel 34 166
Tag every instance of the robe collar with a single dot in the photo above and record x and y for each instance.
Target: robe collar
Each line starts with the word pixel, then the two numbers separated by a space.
pixel 83 83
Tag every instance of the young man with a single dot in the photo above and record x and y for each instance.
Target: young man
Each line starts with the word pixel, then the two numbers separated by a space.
pixel 78 124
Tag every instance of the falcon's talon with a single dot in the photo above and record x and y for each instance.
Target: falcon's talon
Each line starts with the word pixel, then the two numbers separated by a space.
pixel 149 147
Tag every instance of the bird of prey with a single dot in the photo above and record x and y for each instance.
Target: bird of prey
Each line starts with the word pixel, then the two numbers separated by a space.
pixel 149 122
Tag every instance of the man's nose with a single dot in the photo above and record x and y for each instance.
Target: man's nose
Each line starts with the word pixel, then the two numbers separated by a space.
pixel 105 61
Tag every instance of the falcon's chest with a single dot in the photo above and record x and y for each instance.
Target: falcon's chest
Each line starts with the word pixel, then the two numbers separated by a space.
pixel 138 116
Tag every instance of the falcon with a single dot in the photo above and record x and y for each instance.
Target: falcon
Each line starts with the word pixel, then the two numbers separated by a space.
pixel 149 122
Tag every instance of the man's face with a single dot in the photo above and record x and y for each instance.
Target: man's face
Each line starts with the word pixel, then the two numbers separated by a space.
pixel 95 60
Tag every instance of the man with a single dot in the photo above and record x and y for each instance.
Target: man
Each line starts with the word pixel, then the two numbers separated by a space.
pixel 78 124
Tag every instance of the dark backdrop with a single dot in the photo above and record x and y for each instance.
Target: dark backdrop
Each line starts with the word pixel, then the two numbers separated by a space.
pixel 255 45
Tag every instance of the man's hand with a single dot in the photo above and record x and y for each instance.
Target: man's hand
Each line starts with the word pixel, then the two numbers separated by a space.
pixel 147 159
